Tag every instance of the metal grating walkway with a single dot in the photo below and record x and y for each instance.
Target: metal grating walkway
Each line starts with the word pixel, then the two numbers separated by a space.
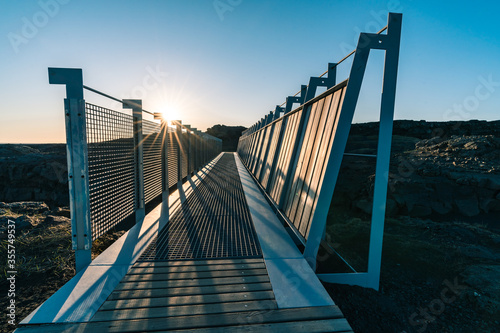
pixel 214 221
pixel 228 287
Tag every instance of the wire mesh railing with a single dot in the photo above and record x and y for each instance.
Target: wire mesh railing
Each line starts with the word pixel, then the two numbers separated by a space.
pixel 111 167
pixel 152 146
pixel 118 163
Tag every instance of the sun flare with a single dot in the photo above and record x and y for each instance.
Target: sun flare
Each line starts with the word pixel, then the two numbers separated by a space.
pixel 170 113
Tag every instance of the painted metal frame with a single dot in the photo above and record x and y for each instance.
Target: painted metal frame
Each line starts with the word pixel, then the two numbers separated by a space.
pixel 77 157
pixel 390 43
pixel 136 106
pixel 164 157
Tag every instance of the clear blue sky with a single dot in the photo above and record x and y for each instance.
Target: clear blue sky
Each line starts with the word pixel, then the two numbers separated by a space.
pixel 208 66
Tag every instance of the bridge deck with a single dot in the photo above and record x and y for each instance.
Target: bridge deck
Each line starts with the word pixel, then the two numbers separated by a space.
pixel 212 270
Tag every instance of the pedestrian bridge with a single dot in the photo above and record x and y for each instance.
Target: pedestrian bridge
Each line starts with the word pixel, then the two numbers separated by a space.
pixel 221 242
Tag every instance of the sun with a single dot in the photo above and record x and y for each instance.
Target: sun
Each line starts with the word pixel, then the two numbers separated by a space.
pixel 170 113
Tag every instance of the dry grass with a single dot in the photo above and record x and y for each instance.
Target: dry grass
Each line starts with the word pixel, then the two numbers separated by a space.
pixel 44 261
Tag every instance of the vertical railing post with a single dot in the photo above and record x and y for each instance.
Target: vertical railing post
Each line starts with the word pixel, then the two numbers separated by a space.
pixel 77 158
pixel 189 159
pixel 392 44
pixel 164 158
pixel 164 214
pixel 367 41
pixel 196 150
pixel 205 150
pixel 136 106
pixel 178 135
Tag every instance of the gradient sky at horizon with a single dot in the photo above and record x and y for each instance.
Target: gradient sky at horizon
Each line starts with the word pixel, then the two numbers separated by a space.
pixel 207 67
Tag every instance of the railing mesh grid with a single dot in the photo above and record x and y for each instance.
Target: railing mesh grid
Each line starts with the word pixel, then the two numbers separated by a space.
pixel 173 156
pixel 184 154
pixel 111 167
pixel 152 143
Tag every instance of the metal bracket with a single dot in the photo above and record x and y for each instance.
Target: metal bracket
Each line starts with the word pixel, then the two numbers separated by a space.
pixel 328 82
pixel 269 118
pixel 277 112
pixel 296 99
pixel 71 77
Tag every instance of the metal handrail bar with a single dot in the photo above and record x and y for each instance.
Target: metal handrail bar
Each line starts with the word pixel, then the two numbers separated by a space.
pixel 115 99
pixel 128 103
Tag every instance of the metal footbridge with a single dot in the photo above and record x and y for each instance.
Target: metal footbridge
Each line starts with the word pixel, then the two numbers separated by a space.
pixel 220 242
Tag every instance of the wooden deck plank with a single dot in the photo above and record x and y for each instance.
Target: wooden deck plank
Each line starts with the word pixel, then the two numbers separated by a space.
pixel 194 275
pixel 185 310
pixel 186 291
pixel 191 282
pixel 187 300
pixel 194 322
pixel 199 262
pixel 313 326
pixel 198 268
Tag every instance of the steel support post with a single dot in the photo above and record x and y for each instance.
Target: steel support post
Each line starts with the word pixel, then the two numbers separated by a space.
pixel 164 217
pixel 136 106
pixel 195 150
pixel 77 158
pixel 178 136
pixel 389 42
pixel 188 149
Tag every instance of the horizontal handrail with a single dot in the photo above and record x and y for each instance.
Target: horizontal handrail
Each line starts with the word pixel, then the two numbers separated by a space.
pixel 176 122
pixel 116 99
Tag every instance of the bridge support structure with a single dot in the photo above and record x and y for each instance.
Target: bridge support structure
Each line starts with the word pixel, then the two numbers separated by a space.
pixel 303 159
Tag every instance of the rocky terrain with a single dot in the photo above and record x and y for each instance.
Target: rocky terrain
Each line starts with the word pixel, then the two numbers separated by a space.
pixel 442 228
pixel 440 177
pixel 228 134
pixel 34 173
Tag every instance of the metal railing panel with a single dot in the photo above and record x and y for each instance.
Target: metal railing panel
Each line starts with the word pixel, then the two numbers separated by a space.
pixel 184 149
pixel 266 172
pixel 297 174
pixel 318 173
pixel 152 146
pixel 111 167
pixel 173 156
pixel 263 153
pixel 278 181
pixel 310 149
